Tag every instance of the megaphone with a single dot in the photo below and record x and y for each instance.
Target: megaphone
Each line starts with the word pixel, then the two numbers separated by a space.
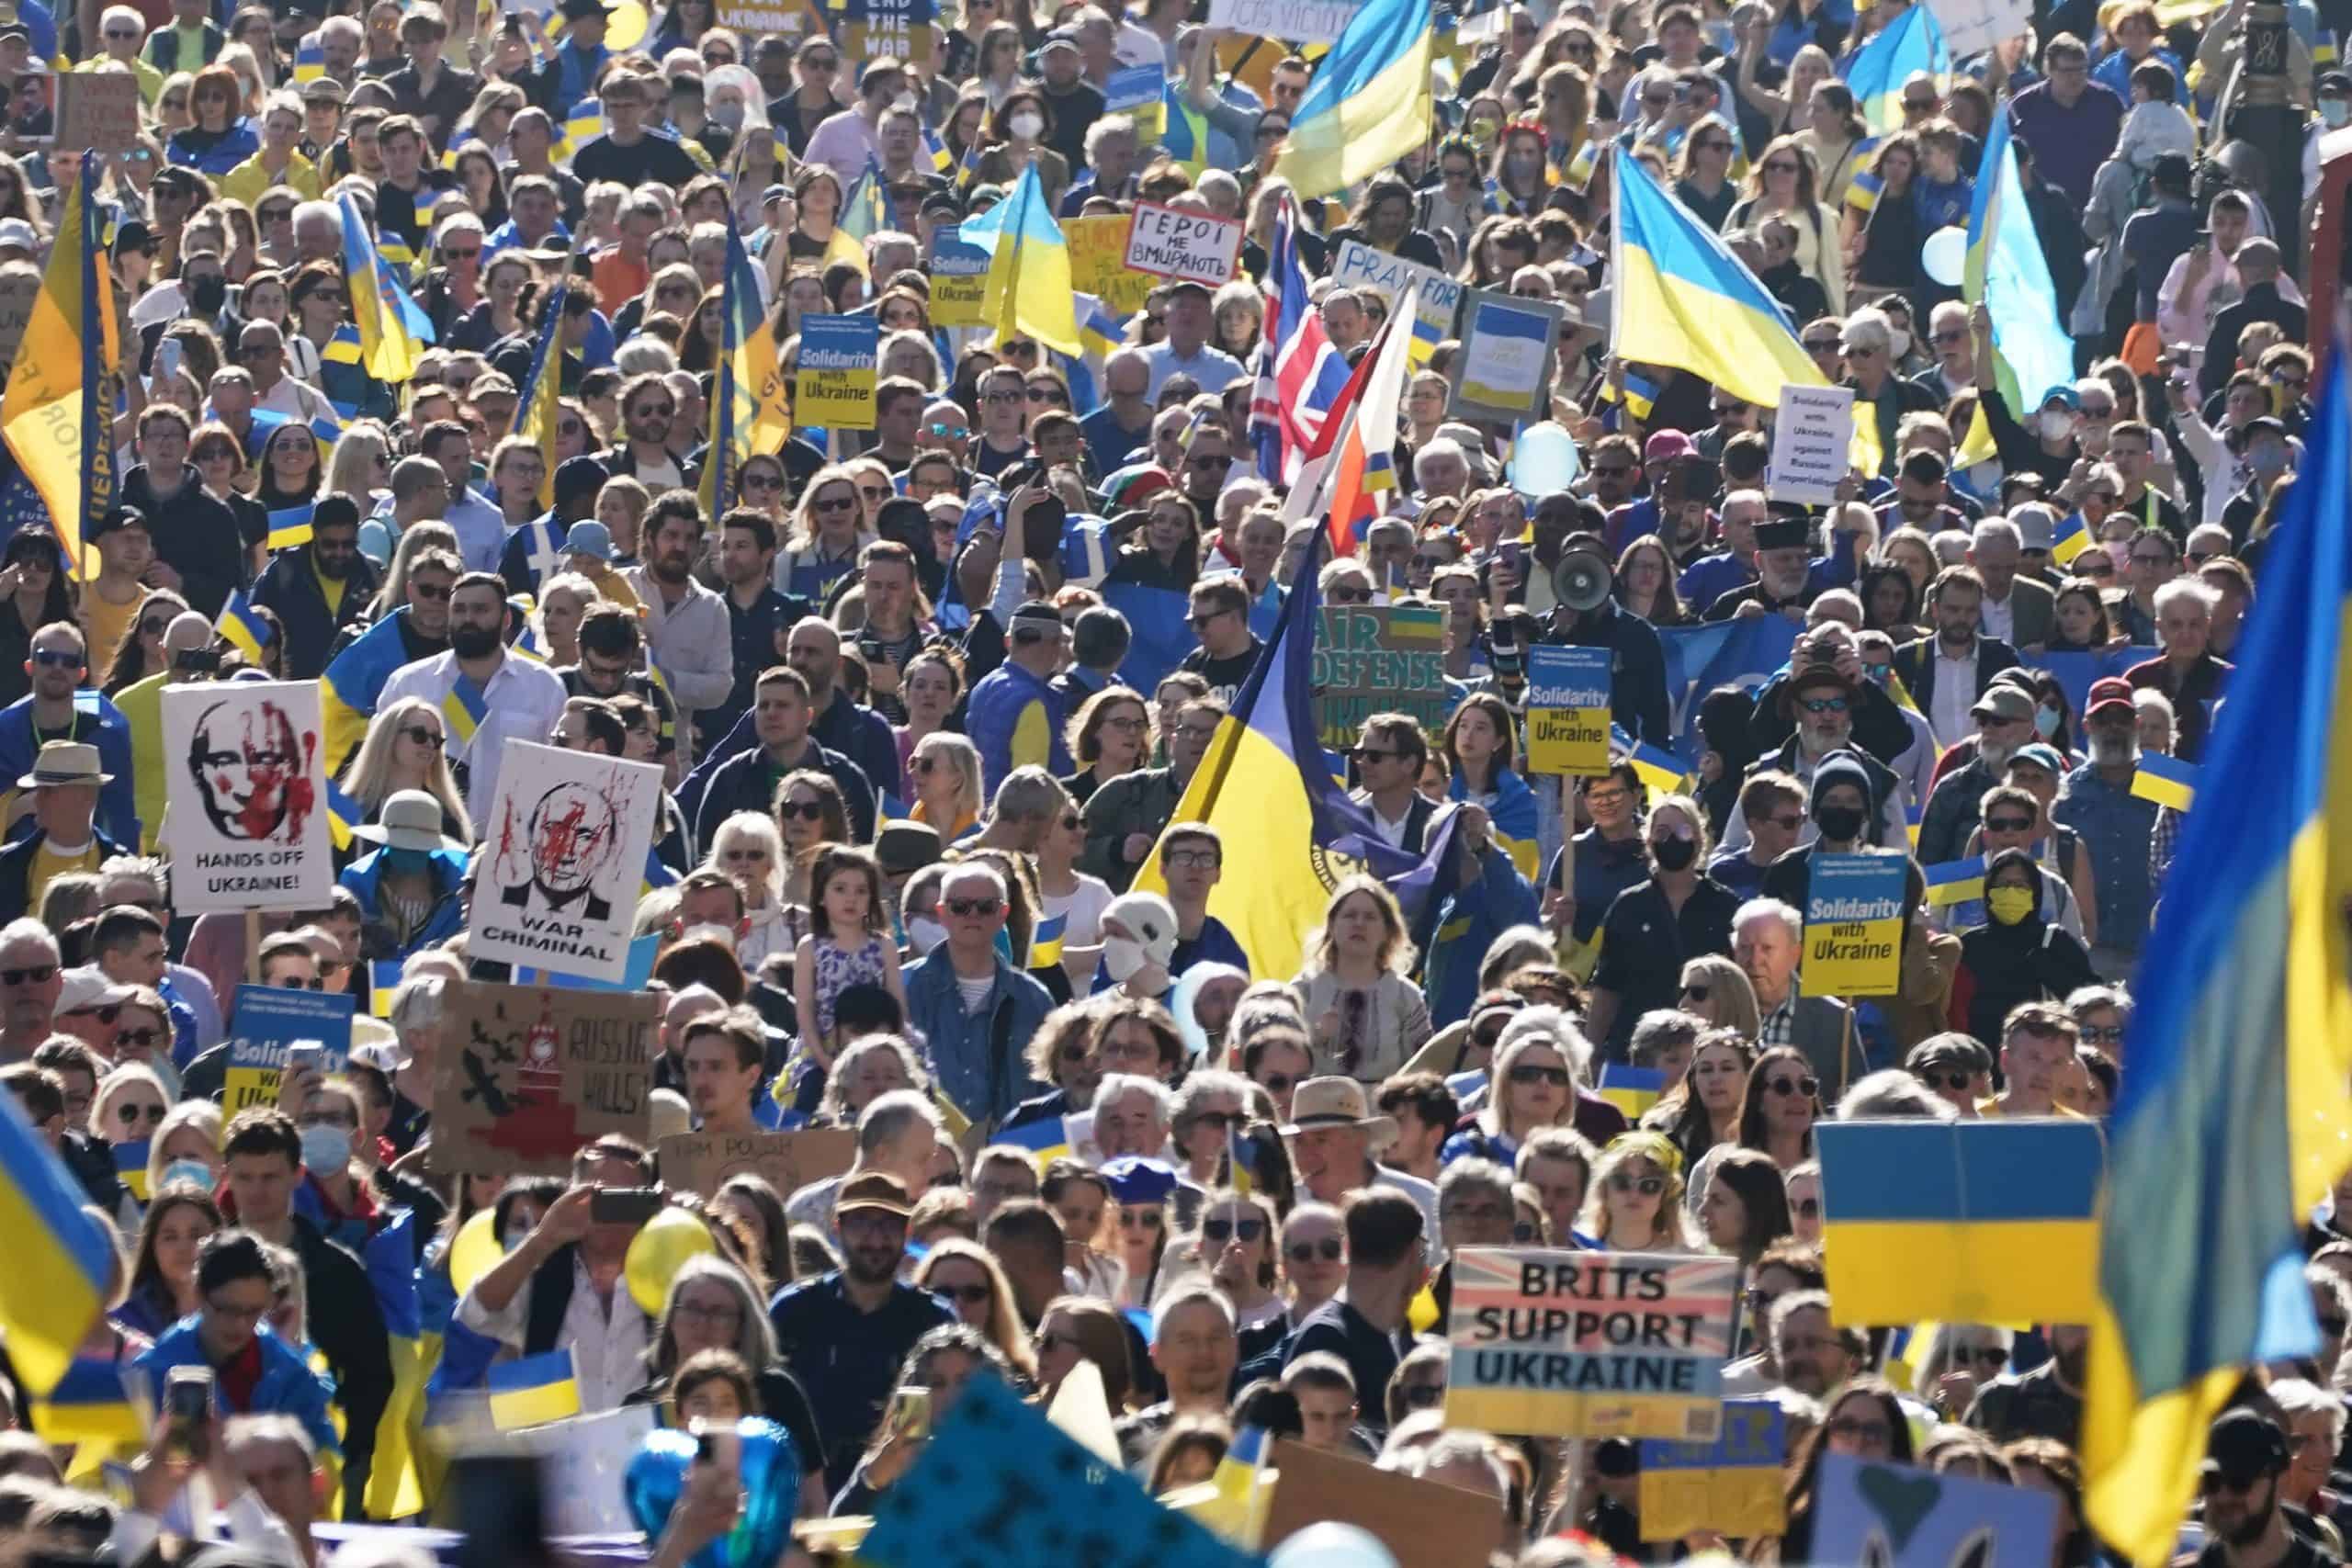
pixel 1582 581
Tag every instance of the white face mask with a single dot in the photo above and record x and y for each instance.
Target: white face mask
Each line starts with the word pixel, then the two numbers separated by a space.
pixel 2057 424
pixel 326 1149
pixel 2334 111
pixel 904 101
pixel 1026 126
pixel 192 1172
pixel 1898 342
pixel 1123 957
pixel 923 933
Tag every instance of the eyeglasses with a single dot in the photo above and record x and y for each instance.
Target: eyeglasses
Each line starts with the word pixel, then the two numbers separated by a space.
pixel 968 908
pixel 807 810
pixel 1531 1073
pixel 969 1295
pixel 38 975
pixel 2102 1034
pixel 430 590
pixel 1192 859
pixel 1861 1431
pixel 1226 1230
pixel 131 1115
pixel 1329 1250
pixel 1141 1219
pixel 1648 1186
pixel 1822 704
pixel 58 658
pixel 1807 1086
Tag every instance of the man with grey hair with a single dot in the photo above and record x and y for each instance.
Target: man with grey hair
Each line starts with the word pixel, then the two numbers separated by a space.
pixel 2186 673
pixel 1767 940
pixel 2015 609
pixel 1112 148
pixel 1442 468
pixel 1025 806
pixel 1131 1116
pixel 975 1009
pixel 318 233
pixel 897 1134
pixel 1122 426
pixel 29 982
pixel 1954 347
pixel 1867 340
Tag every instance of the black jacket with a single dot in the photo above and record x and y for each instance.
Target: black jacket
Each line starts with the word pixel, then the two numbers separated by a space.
pixel 739 783
pixel 1915 663
pixel 16 868
pixel 195 535
pixel 348 1329
pixel 289 587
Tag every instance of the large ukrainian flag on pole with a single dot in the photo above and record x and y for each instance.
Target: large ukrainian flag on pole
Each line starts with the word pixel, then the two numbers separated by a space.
pixel 60 401
pixel 61 1264
pixel 748 416
pixel 2235 1115
pixel 543 391
pixel 2006 273
pixel 1911 43
pixel 1029 290
pixel 392 330
pixel 1370 103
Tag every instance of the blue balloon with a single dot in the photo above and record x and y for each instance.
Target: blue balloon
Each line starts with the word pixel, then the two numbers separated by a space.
pixel 1544 459
pixel 771 1477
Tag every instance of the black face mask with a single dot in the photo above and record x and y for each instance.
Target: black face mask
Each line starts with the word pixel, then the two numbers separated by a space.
pixel 473 642
pixel 1675 854
pixel 208 295
pixel 1839 824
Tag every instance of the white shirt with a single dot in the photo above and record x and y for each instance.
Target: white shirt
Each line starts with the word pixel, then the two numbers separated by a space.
pixel 607 1339
pixel 295 400
pixel 1955 693
pixel 480 528
pixel 524 702
pixel 1212 367
pixel 1999 619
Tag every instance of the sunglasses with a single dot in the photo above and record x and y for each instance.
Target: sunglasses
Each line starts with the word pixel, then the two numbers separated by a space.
pixel 2009 824
pixel 431 589
pixel 38 975
pixel 1421 1395
pixel 1648 1186
pixel 1807 1086
pixel 2103 1035
pixel 1697 993
pixel 1141 1219
pixel 969 1295
pixel 1277 1083
pixel 1226 1230
pixel 1529 1073
pixel 807 810
pixel 131 1115
pixel 1329 1250
pixel 56 658
pixel 1822 704
pixel 1808 1208
pixel 969 908
pixel 1992 1358
pixel 837 503
pixel 1957 1082
pixel 423 735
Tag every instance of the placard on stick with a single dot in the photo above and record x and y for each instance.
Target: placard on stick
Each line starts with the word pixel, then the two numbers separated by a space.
pixel 1733 1486
pixel 1300 21
pixel 1425 1524
pixel 1374 659
pixel 1853 925
pixel 244 794
pixel 1567 710
pixel 1192 247
pixel 565 845
pixel 1811 433
pixel 530 1074
pixel 702 1162
pixel 1098 262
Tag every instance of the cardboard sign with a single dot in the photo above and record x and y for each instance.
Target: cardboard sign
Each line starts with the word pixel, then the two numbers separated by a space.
pixel 1896 1516
pixel 20 286
pixel 1139 90
pixel 582 1462
pixel 1196 247
pixel 1358 265
pixel 1424 1523
pixel 1503 371
pixel 1567 710
pixel 1098 263
pixel 266 1021
pixel 1853 926
pixel 896 29
pixel 97 109
pixel 836 371
pixel 702 1162
pixel 959 283
pixel 1378 658
pixel 530 1074
pixel 244 790
pixel 1010 1491
pixel 1299 21
pixel 1732 1485
pixel 1811 433
pixel 565 846
pixel 795 20
pixel 1550 1343
pixel 1971 27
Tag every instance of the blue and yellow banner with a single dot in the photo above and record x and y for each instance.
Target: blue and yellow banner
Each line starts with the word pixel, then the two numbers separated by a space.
pixel 54 415
pixel 1567 710
pixel 61 1262
pixel 748 412
pixel 1732 1487
pixel 1853 925
pixel 834 378
pixel 1983 1221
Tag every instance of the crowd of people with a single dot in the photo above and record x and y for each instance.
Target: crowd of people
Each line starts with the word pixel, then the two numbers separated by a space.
pixel 924 868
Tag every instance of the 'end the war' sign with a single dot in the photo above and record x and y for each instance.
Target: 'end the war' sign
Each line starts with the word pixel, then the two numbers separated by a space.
pixel 1550 1343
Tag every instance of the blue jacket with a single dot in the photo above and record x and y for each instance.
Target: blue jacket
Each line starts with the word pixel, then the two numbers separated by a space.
pixel 240 142
pixel 287 1385
pixel 1468 921
pixel 980 1059
pixel 446 920
pixel 1011 711
pixel 16 873
pixel 101 724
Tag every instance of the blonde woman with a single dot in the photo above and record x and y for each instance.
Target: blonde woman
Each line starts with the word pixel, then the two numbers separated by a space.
pixel 130 1104
pixel 1635 1200
pixel 945 773
pixel 1539 1060
pixel 360 466
pixel 1368 1019
pixel 965 1275
pixel 186 1148
pixel 749 850
pixel 1716 989
pixel 406 748
pixel 418 536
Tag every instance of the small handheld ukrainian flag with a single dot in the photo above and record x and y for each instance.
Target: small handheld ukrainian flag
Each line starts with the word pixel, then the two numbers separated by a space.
pixel 246 632
pixel 1909 45
pixel 390 340
pixel 2167 781
pixel 533 1390
pixel 1955 881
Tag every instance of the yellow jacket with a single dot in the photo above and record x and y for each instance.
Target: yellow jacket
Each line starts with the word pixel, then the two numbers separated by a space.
pixel 249 180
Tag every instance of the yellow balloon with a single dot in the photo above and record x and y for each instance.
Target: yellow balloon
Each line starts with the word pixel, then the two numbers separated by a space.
pixel 625 27
pixel 657 1252
pixel 473 1250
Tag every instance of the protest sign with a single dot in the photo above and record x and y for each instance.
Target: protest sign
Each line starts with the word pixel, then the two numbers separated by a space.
pixel 97 109
pixel 835 378
pixel 529 1075
pixel 1378 658
pixel 896 29
pixel 1896 1516
pixel 1010 1491
pixel 1358 265
pixel 1507 344
pixel 1567 710
pixel 959 282
pixel 1425 1523
pixel 795 19
pixel 1552 1343
pixel 1297 21
pixel 1732 1485
pixel 1972 27
pixel 1098 263
pixel 1810 435
pixel 1853 925
pixel 701 1162
pixel 245 792
pixel 565 846
pixel 581 1461
pixel 268 1019
pixel 1987 1220
pixel 20 286
pixel 1196 247
pixel 1140 91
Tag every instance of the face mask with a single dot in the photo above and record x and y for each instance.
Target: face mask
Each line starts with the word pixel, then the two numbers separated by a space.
pixel 1675 854
pixel 399 860
pixel 1123 957
pixel 208 295
pixel 923 933
pixel 1483 132
pixel 2334 111
pixel 1898 342
pixel 2009 904
pixel 2045 722
pixel 192 1172
pixel 727 113
pixel 1839 824
pixel 2268 460
pixel 326 1149
pixel 2057 424
pixel 1026 126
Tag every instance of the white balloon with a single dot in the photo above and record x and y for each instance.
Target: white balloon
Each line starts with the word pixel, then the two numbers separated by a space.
pixel 1332 1545
pixel 1544 459
pixel 1945 255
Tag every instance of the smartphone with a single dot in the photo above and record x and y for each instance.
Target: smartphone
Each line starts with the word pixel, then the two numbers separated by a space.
pixel 305 1054
pixel 1041 528
pixel 910 1412
pixel 624 1205
pixel 187 1406
pixel 1509 553
pixel 167 358
pixel 198 660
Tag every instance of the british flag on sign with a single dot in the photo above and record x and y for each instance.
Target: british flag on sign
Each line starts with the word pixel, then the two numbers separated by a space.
pixel 1299 373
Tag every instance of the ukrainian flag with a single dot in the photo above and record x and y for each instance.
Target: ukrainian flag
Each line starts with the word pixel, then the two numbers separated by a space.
pixel 54 414
pixel 395 1482
pixel 1029 289
pixel 2243 1009
pixel 2069 539
pixel 583 125
pixel 383 974
pixel 537 411
pixel 1046 941
pixel 354 680
pixel 310 59
pixel 1640 395
pixel 130 1167
pixel 864 211
pixel 246 632
pixel 533 1390
pixel 1370 103
pixel 1913 816
pixel 1660 770
pixel 465 707
pixel 1877 70
pixel 343 816
pixel 1233 1502
pixel 941 159
pixel 290 527
pixel 748 416
pixel 392 330
pixel 62 1262
pixel 91 1411
pixel 1985 1221
pixel 1956 881
pixel 1631 1089
pixel 2006 273
pixel 2167 781
pixel 1046 1139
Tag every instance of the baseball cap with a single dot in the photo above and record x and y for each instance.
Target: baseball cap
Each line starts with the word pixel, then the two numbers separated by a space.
pixel 2040 754
pixel 1665 444
pixel 116 517
pixel 16 231
pixel 2244 1446
pixel 2111 693
pixel 875 1191
pixel 2005 703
